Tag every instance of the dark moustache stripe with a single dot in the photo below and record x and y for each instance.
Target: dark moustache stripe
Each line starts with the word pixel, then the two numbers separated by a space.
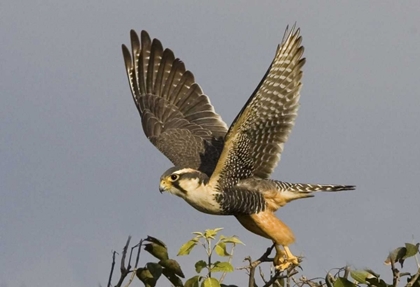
pixel 176 184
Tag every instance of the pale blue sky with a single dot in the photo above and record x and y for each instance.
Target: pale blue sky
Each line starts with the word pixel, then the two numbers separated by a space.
pixel 77 175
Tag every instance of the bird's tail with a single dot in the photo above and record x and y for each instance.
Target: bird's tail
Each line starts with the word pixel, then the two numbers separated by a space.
pixel 292 191
pixel 309 188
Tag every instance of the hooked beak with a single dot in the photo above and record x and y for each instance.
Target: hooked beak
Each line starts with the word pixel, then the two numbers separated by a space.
pixel 163 186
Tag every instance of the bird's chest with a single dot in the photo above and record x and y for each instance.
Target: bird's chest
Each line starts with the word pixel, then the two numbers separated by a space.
pixel 203 201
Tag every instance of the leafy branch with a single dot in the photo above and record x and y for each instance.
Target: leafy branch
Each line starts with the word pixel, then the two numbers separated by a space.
pixel 224 247
pixel 152 271
pixel 207 240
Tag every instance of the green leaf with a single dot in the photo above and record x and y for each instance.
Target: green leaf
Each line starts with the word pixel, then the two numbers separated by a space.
pixel 199 234
pixel 193 281
pixel 231 239
pixel 200 265
pixel 146 277
pixel 187 247
pixel 343 282
pixel 211 233
pixel 155 269
pixel 411 250
pixel 172 265
pixel 210 282
pixel 172 278
pixel 155 240
pixel 143 274
pixel 220 249
pixel 158 251
pixel 222 267
pixel 360 275
pixel 374 274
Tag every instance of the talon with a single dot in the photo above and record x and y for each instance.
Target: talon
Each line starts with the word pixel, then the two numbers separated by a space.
pixel 290 257
pixel 284 259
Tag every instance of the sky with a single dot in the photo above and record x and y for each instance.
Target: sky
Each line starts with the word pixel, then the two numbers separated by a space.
pixel 77 174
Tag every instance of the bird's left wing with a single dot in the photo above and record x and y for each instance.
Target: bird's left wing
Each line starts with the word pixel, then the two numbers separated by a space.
pixel 176 116
pixel 255 139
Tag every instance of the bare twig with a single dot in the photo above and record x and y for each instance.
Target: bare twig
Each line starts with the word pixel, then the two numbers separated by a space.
pixel 299 282
pixel 278 275
pixel 310 282
pixel 254 264
pixel 129 258
pixel 124 254
pixel 264 257
pixel 138 253
pixel 124 271
pixel 262 274
pixel 133 274
pixel 395 273
pixel 251 282
pixel 112 268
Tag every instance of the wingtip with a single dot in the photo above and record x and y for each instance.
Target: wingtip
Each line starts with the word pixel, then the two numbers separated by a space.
pixel 294 31
pixel 135 42
pixel 125 49
pixel 126 56
pixel 145 38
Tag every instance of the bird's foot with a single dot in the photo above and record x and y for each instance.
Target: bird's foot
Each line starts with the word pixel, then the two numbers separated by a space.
pixel 286 263
pixel 285 259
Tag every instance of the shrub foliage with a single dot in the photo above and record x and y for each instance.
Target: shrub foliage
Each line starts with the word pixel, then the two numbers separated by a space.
pixel 217 263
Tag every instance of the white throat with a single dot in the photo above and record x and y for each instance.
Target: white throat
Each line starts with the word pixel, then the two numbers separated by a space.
pixel 201 197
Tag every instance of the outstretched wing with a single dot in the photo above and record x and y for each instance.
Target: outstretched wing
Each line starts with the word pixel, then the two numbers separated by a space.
pixel 255 140
pixel 176 116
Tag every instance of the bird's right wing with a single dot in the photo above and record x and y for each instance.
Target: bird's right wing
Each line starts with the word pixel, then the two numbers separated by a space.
pixel 176 116
pixel 255 140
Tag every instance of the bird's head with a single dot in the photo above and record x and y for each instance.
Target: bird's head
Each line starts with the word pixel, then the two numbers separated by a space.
pixel 181 181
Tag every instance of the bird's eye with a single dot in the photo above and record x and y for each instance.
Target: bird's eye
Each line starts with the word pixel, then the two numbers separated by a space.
pixel 174 177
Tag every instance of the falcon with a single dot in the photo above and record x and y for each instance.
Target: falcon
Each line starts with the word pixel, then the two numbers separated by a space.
pixel 220 170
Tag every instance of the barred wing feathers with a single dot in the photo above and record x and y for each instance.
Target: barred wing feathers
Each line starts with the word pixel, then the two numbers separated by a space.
pixel 176 116
pixel 255 140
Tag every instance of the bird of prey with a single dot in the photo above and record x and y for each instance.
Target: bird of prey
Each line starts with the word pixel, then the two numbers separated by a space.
pixel 220 170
